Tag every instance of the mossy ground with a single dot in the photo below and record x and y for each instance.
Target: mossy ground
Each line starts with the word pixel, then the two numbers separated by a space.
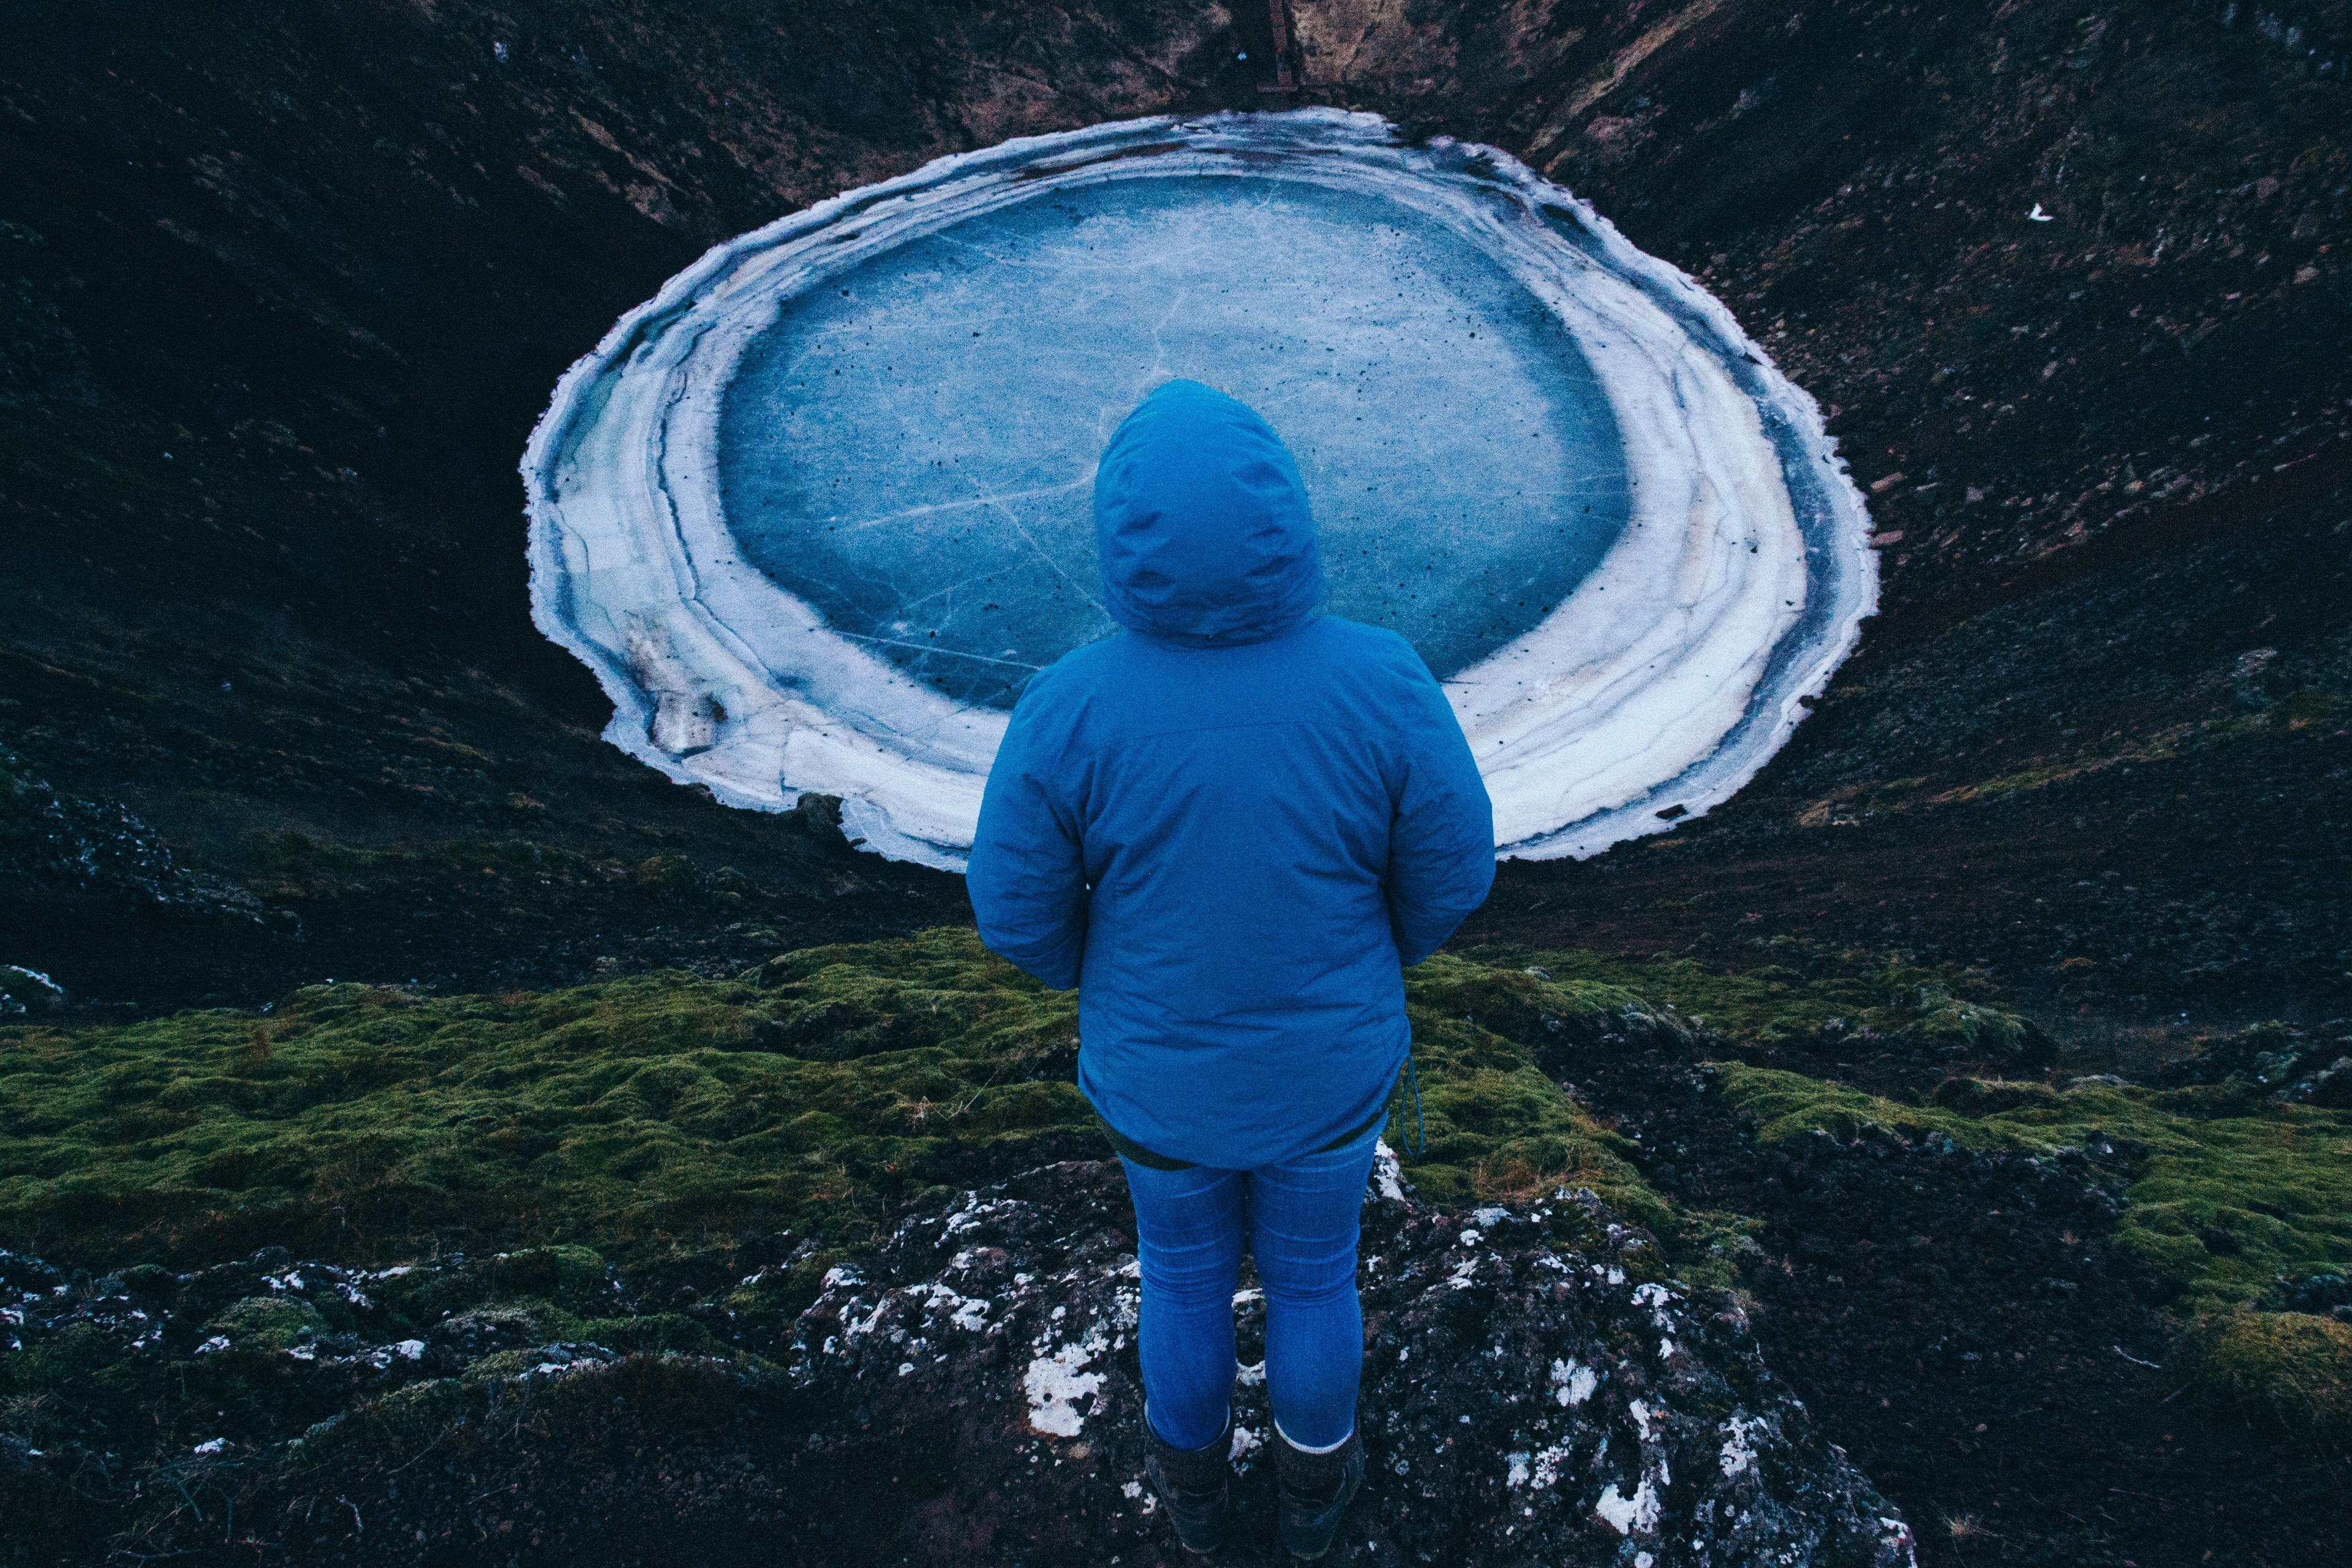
pixel 650 1113
pixel 1803 995
pixel 2233 1194
pixel 298 870
pixel 296 867
pixel 664 1114
pixel 2237 1195
pixel 632 1145
pixel 2291 1371
pixel 1489 1044
pixel 2235 1198
pixel 664 1119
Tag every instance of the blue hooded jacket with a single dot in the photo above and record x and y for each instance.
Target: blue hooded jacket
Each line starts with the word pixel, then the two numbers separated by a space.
pixel 1230 826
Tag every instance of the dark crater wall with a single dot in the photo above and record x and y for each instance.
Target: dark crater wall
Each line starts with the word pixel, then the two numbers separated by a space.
pixel 284 288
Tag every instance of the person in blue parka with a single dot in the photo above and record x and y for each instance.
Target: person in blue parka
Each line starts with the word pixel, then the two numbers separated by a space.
pixel 1230 826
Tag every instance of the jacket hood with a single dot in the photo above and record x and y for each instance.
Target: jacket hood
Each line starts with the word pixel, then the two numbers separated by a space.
pixel 1204 525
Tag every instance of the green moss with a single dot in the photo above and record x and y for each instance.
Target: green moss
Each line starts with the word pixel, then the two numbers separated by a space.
pixel 2290 1371
pixel 506 1363
pixel 1971 1029
pixel 1486 1043
pixel 665 1114
pixel 2230 1192
pixel 665 876
pixel 941 989
pixel 572 1278
pixel 2311 705
pixel 395 1428
pixel 421 1407
pixel 642 1114
pixel 2298 710
pixel 1527 1003
pixel 298 868
pixel 783 1291
pixel 59 1364
pixel 1497 1126
pixel 268 1323
pixel 658 1333
pixel 1813 998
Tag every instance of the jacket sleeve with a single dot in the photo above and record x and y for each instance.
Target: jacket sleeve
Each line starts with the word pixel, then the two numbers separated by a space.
pixel 1027 872
pixel 1442 841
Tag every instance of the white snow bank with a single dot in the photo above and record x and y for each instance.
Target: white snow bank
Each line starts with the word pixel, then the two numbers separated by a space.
pixel 1664 680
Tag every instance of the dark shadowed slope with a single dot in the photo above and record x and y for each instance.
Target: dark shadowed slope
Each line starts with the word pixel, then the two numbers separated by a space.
pixel 329 262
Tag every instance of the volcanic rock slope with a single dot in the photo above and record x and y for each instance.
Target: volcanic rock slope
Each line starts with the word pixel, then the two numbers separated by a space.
pixel 285 287
pixel 695 1249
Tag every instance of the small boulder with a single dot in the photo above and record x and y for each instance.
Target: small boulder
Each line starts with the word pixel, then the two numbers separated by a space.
pixel 28 992
pixel 268 1323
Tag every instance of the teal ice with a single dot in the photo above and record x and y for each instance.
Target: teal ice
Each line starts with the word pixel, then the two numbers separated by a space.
pixel 815 511
pixel 910 448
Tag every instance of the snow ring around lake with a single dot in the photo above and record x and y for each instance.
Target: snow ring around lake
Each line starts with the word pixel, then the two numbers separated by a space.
pixel 1729 582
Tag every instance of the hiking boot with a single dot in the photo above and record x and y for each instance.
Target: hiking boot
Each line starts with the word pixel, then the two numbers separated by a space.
pixel 1192 1484
pixel 1315 1491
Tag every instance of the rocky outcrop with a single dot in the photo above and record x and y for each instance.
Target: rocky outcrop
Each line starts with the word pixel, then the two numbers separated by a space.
pixel 1535 1392
pixel 2302 1066
pixel 28 991
pixel 58 844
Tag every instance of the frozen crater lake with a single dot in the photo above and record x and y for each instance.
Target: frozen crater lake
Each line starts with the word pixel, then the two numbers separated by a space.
pixel 817 511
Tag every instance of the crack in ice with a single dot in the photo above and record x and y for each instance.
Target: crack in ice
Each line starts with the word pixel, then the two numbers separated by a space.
pixel 1659 673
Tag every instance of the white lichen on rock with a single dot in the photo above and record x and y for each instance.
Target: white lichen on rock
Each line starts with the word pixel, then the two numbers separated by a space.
pixel 1517 1418
pixel 1059 1385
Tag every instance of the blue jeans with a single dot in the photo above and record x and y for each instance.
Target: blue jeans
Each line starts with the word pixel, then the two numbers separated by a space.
pixel 1301 1219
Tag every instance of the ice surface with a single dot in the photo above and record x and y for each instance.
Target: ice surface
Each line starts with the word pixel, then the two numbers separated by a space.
pixel 813 512
pixel 910 449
